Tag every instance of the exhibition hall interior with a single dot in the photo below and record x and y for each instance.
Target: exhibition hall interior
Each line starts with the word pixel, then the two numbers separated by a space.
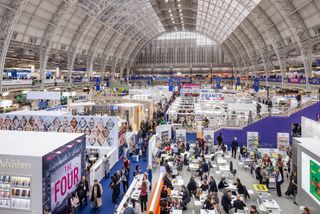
pixel 160 106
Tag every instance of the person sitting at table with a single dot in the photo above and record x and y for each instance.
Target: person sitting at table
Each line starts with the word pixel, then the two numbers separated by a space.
pixel 244 152
pixel 253 209
pixel 165 192
pixel 166 165
pixel 238 204
pixel 205 168
pixel 127 209
pixel 208 205
pixel 226 201
pixel 175 204
pixel 240 187
pixel 204 186
pixel 185 160
pixel 266 160
pixel 165 204
pixel 185 197
pixel 223 183
pixel 192 185
pixel 167 181
pixel 215 197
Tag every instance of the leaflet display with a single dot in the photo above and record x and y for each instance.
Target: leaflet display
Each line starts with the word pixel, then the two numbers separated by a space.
pixel 15 192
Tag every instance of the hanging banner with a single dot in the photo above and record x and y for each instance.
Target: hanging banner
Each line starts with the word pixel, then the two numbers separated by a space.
pixel 208 135
pixel 218 83
pixel 181 135
pixel 252 141
pixel 211 96
pixel 107 82
pixel 171 84
pixel 97 84
pixel 256 84
pixel 283 142
pixel 238 81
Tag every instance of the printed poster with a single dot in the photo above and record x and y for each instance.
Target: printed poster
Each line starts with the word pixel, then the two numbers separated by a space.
pixel 315 179
pixel 101 131
pixel 283 142
pixel 252 141
pixel 181 135
pixel 208 135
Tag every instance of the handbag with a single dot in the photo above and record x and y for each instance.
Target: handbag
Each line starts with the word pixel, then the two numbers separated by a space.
pixel 99 202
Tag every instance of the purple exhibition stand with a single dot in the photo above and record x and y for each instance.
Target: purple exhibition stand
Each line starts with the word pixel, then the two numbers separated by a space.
pixel 269 127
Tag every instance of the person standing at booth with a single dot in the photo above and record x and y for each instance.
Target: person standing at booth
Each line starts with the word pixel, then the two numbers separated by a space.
pixel 106 163
pixel 279 181
pixel 234 147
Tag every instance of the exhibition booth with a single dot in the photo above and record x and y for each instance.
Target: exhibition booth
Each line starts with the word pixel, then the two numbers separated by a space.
pixel 307 151
pixel 39 170
pixel 102 133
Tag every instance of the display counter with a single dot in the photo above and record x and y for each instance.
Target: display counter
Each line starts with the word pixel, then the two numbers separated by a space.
pixel 133 192
pixel 98 169
pixel 39 170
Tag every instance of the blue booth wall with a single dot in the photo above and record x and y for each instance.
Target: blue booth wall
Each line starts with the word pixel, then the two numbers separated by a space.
pixel 269 127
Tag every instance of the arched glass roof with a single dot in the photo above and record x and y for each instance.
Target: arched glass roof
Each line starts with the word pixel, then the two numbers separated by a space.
pixel 201 40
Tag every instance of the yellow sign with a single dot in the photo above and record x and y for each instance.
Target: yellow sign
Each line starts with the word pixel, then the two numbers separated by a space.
pixel 260 188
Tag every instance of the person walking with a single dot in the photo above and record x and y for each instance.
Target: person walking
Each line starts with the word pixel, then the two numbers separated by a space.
pixel 258 109
pixel 125 179
pixel 234 147
pixel 143 196
pixel 96 195
pixel 74 202
pixel 293 187
pixel 106 163
pixel 83 188
pixel 279 181
pixel 220 139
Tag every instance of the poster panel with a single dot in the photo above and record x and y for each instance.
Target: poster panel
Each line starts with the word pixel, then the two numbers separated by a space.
pixel 252 141
pixel 208 135
pixel 181 135
pixel 65 180
pixel 122 144
pixel 100 131
pixel 283 142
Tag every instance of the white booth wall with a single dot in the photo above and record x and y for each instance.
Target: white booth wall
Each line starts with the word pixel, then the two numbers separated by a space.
pixel 307 150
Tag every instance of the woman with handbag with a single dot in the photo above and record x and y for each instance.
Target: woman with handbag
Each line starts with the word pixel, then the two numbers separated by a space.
pixel 96 195
pixel 74 202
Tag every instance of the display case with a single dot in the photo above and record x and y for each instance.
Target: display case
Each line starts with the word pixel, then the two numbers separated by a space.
pixel 15 192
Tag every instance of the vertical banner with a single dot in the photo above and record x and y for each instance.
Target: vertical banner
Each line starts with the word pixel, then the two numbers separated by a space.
pixel 256 84
pixel 283 141
pixel 252 141
pixel 179 84
pixel 238 81
pixel 170 84
pixel 97 84
pixel 107 82
pixel 218 83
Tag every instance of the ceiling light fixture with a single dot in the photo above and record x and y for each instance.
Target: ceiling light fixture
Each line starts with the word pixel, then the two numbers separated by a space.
pixel 180 10
pixel 169 11
pixel 179 5
pixel 170 14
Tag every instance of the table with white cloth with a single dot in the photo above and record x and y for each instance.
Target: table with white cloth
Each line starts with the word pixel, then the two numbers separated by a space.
pixel 203 211
pixel 224 168
pixel 221 161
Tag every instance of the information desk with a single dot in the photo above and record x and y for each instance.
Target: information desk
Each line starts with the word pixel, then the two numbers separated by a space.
pixel 132 192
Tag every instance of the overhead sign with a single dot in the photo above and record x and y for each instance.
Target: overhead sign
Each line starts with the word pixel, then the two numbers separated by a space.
pixel 211 96
pixel 64 181
pixel 191 86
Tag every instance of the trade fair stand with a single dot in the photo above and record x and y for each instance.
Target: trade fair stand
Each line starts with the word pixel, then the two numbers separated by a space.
pixel 39 170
